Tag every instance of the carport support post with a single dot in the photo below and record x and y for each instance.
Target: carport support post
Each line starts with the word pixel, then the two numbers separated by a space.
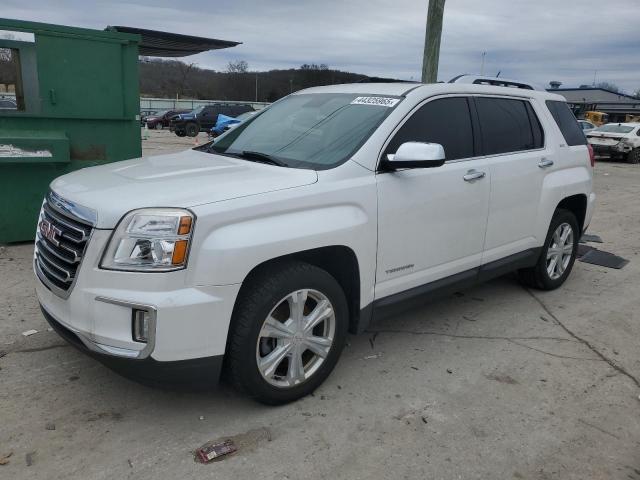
pixel 432 36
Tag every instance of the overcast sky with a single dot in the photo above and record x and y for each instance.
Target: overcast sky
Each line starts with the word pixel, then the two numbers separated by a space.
pixel 534 40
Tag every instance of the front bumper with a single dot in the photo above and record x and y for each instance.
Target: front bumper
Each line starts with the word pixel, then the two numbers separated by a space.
pixel 200 372
pixel 191 322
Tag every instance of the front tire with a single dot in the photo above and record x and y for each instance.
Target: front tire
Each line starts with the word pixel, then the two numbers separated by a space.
pixel 191 129
pixel 558 253
pixel 634 156
pixel 288 329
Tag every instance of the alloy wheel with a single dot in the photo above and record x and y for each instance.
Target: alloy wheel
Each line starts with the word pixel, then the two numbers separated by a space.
pixel 295 338
pixel 560 251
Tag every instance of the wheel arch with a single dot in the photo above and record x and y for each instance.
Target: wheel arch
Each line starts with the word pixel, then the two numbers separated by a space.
pixel 576 204
pixel 339 261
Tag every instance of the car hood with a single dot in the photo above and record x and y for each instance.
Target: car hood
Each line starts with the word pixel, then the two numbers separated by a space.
pixel 184 179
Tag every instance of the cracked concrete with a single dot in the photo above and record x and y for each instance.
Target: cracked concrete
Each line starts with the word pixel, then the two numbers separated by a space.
pixel 591 347
pixel 493 382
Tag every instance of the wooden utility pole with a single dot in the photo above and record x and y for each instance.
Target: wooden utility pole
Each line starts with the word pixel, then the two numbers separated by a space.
pixel 432 36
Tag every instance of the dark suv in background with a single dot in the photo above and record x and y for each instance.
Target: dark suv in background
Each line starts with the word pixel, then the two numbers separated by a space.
pixel 161 119
pixel 205 117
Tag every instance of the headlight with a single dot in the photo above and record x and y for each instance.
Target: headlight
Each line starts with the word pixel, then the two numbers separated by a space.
pixel 150 240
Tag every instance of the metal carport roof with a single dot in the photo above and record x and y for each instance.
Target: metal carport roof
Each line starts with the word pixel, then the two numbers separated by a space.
pixel 164 44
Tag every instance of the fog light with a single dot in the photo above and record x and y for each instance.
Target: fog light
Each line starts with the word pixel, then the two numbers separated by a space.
pixel 140 326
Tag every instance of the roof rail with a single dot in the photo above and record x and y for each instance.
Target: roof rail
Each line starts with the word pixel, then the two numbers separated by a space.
pixel 495 81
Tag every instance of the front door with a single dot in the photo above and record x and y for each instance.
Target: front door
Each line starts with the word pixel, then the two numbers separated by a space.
pixel 432 221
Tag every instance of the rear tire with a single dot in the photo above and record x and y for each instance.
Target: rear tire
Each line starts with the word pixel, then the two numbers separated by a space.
pixel 634 156
pixel 558 253
pixel 191 129
pixel 269 352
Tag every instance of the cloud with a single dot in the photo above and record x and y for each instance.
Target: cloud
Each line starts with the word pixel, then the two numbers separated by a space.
pixel 534 40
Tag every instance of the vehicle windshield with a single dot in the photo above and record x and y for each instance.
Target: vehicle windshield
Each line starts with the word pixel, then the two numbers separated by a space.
pixel 316 131
pixel 160 113
pixel 197 110
pixel 614 128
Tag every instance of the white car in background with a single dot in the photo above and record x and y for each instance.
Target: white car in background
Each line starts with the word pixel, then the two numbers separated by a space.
pixel 586 126
pixel 618 140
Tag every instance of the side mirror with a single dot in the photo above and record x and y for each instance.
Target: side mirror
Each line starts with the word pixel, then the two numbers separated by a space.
pixel 415 155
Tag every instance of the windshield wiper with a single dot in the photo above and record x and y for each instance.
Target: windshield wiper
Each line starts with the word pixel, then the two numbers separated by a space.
pixel 261 157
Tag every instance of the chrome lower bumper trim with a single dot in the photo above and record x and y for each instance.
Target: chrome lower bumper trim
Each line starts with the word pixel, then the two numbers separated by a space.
pixel 110 350
pixel 125 352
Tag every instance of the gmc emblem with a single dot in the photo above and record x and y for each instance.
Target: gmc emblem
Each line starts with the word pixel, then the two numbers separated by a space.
pixel 50 232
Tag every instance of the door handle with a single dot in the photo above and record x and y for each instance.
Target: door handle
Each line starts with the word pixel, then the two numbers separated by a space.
pixel 472 175
pixel 545 162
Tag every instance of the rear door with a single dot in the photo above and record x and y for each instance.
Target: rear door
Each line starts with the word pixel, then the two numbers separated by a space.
pixel 431 221
pixel 513 145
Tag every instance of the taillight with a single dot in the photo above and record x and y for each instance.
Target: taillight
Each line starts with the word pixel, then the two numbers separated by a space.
pixel 592 156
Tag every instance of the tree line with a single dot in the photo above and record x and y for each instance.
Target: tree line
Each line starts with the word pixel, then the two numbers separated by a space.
pixel 168 78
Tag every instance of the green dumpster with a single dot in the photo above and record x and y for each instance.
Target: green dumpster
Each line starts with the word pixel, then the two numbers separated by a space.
pixel 69 99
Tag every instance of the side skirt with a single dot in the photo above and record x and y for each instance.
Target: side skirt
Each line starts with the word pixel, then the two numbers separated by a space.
pixel 398 302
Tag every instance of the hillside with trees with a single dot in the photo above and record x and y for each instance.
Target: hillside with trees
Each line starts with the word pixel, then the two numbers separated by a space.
pixel 168 78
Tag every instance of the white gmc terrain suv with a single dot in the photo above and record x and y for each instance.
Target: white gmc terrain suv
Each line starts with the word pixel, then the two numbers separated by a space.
pixel 256 254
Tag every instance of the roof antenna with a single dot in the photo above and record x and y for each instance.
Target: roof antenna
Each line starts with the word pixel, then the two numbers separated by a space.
pixel 499 72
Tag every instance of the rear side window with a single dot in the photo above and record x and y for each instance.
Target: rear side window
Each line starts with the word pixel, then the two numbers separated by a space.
pixel 508 125
pixel 446 121
pixel 567 123
pixel 536 127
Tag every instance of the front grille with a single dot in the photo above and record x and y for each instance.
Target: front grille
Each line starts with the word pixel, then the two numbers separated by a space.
pixel 61 241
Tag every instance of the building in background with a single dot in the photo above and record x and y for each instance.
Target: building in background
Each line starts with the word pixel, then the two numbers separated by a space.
pixel 618 106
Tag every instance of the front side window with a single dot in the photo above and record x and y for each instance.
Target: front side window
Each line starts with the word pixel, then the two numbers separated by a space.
pixel 508 125
pixel 446 121
pixel 316 131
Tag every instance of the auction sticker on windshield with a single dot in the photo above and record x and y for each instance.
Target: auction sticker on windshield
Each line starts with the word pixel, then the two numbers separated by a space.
pixel 379 101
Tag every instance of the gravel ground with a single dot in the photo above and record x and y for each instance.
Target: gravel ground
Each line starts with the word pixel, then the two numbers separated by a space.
pixel 496 382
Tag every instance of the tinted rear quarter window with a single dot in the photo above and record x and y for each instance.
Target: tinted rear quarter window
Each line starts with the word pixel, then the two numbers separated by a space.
pixel 566 122
pixel 446 121
pixel 508 125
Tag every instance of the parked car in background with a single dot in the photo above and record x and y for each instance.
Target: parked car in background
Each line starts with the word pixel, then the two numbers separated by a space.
pixel 204 118
pixel 8 104
pixel 144 114
pixel 161 119
pixel 586 126
pixel 618 140
pixel 225 123
pixel 258 252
